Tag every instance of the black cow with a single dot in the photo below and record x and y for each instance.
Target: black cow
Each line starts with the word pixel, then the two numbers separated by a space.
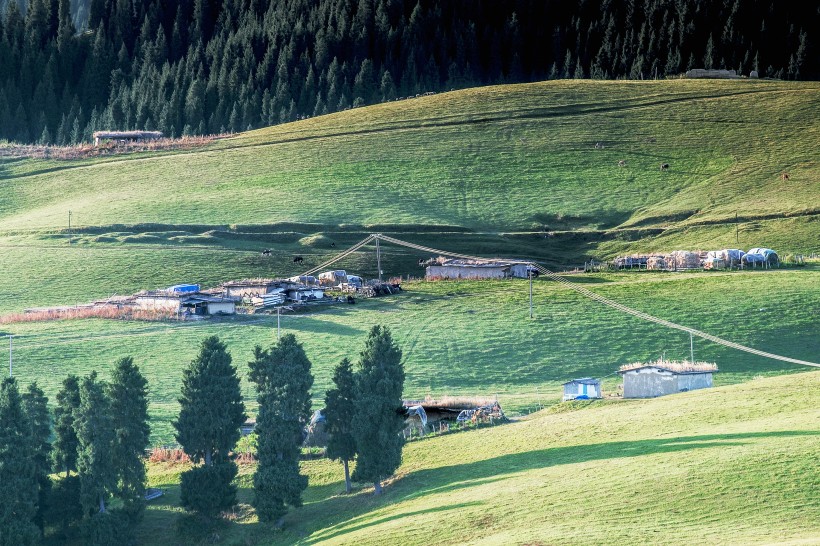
pixel 664 166
pixel 266 252
pixel 298 259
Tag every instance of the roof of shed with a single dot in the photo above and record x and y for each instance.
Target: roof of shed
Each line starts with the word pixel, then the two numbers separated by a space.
pixel 673 366
pixel 584 381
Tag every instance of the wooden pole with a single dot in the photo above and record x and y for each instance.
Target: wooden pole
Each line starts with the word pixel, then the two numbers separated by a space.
pixel 379 260
pixel 530 274
pixel 692 348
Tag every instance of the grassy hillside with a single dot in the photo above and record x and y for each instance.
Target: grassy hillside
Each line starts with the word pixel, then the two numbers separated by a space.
pixel 471 338
pixel 498 160
pixel 729 465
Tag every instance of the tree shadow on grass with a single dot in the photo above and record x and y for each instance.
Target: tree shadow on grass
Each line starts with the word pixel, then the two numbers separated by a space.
pixel 329 515
pixel 452 478
pixel 457 476
pixel 347 528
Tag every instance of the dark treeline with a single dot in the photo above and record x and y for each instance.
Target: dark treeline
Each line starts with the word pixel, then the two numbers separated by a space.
pixel 206 66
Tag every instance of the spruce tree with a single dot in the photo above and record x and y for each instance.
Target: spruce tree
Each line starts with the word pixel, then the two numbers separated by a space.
pixel 64 452
pixel 95 435
pixel 128 394
pixel 36 407
pixel 379 415
pixel 210 415
pixel 18 482
pixel 283 381
pixel 340 407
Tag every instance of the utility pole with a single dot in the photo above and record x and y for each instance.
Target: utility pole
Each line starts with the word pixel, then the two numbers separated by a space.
pixel 379 259
pixel 692 347
pixel 737 231
pixel 529 271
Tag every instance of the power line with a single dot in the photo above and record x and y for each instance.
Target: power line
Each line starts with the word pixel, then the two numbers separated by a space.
pixel 623 308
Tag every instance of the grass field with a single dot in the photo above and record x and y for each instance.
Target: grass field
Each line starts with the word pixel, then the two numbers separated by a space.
pixel 507 170
pixel 497 171
pixel 729 465
pixel 471 338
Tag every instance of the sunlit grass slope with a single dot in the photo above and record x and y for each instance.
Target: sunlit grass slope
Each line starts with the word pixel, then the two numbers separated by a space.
pixel 467 338
pixel 508 158
pixel 729 465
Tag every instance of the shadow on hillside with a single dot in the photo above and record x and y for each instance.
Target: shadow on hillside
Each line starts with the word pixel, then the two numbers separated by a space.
pixel 454 477
pixel 329 514
pixel 369 523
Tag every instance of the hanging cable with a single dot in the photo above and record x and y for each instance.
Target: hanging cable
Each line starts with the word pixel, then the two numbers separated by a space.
pixel 340 256
pixel 606 301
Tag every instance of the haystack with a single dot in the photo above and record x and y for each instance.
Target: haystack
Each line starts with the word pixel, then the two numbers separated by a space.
pixel 684 259
pixel 657 263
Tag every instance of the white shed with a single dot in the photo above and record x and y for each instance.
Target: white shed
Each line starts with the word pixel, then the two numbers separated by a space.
pixel 583 388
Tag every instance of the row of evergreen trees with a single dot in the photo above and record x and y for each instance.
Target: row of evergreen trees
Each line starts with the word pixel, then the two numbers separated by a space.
pixel 208 66
pixel 364 415
pixel 100 433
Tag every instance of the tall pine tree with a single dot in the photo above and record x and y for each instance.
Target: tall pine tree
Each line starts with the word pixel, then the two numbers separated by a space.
pixel 64 452
pixel 379 416
pixel 283 381
pixel 211 412
pixel 95 435
pixel 18 482
pixel 340 408
pixel 36 406
pixel 128 393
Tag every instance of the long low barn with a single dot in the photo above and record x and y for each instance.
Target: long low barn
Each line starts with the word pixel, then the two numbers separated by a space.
pixel 196 304
pixel 471 269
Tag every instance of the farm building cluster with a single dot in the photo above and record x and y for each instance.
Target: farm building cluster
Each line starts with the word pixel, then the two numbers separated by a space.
pixel 729 258
pixel 443 268
pixel 421 417
pixel 191 301
pixel 648 380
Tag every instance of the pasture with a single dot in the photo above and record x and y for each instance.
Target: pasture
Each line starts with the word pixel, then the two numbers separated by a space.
pixel 467 338
pixel 733 464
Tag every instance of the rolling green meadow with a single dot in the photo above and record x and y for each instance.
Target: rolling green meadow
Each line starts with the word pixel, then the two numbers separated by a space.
pixel 734 464
pixel 510 171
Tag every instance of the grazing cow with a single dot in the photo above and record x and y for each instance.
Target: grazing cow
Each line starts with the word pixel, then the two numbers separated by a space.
pixel 598 145
pixel 784 176
pixel 622 163
pixel 332 244
pixel 298 259
pixel 664 166
pixel 266 252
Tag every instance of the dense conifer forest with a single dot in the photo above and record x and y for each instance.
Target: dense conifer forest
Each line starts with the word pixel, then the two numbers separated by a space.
pixel 190 67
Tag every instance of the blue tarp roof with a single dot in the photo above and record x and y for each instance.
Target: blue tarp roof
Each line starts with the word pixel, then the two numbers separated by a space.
pixel 184 288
